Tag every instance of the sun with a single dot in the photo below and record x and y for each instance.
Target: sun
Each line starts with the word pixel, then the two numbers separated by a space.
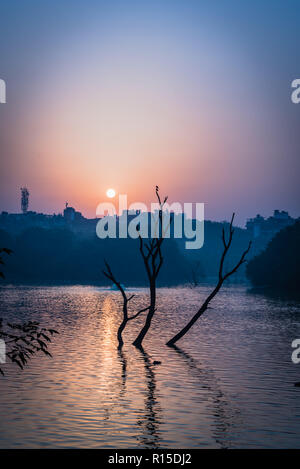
pixel 110 193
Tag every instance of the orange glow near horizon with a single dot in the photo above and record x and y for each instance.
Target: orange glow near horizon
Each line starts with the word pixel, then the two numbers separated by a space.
pixel 144 111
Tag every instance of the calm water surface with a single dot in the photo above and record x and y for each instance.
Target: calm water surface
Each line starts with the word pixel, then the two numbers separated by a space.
pixel 231 383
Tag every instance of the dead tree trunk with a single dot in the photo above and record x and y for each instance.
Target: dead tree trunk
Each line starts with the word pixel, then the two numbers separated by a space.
pixel 222 278
pixel 153 260
pixel 138 341
pixel 108 273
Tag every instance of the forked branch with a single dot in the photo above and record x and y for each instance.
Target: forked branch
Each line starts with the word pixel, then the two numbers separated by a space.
pixel 222 277
pixel 108 274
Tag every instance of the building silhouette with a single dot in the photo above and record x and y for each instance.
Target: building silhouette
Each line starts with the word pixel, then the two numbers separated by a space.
pixel 268 227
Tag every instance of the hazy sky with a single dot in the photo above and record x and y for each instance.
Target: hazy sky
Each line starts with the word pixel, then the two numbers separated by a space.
pixel 191 95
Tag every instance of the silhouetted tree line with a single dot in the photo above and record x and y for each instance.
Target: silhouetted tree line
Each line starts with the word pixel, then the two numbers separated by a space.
pixel 56 256
pixel 278 266
pixel 60 256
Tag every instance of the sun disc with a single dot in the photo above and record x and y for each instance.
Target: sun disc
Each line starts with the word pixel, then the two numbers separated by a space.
pixel 110 193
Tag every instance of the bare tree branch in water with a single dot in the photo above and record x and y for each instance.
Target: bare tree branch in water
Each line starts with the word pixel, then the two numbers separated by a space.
pixel 22 341
pixel 108 273
pixel 222 278
pixel 153 260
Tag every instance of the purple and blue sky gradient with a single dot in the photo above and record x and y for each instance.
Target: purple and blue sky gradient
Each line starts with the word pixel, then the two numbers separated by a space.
pixel 191 95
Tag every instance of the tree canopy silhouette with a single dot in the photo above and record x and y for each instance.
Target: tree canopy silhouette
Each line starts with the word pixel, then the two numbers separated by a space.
pixel 278 266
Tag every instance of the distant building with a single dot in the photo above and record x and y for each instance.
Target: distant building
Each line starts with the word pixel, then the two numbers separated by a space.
pixel 268 227
pixel 17 222
pixel 70 214
pixel 71 219
pixel 24 199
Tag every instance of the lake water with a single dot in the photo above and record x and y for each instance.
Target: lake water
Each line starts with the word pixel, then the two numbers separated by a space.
pixel 230 385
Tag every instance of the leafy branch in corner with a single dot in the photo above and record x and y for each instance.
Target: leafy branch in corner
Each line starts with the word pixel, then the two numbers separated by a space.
pixel 22 341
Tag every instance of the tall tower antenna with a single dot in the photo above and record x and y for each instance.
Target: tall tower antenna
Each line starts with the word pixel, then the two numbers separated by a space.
pixel 24 199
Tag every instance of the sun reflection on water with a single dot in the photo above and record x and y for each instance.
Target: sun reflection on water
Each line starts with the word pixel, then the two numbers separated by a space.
pixel 228 385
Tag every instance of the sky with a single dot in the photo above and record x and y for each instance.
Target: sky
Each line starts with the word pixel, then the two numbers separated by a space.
pixel 190 95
